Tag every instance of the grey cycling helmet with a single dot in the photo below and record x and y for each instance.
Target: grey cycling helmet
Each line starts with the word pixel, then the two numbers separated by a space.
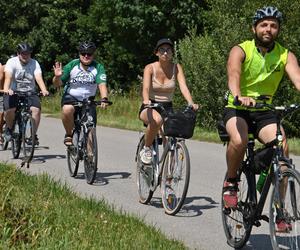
pixel 265 12
pixel 87 47
pixel 24 47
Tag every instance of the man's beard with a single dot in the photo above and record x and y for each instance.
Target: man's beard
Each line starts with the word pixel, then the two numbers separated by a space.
pixel 265 44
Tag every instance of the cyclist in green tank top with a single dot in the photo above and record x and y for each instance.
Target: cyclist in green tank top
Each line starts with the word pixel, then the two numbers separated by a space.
pixel 254 68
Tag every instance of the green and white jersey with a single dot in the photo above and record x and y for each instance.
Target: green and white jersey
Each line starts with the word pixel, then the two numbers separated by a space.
pixel 260 75
pixel 81 83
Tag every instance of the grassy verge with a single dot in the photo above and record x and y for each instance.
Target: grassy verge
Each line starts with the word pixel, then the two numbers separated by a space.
pixel 37 213
pixel 124 114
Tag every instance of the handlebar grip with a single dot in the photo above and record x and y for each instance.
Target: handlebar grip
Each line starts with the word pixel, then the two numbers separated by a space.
pixel 236 101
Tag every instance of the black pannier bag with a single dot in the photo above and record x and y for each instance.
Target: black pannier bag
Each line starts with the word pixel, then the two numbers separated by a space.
pixel 263 158
pixel 180 123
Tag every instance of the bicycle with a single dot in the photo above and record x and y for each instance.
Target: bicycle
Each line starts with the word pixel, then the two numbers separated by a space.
pixel 171 170
pixel 84 140
pixel 280 172
pixel 24 128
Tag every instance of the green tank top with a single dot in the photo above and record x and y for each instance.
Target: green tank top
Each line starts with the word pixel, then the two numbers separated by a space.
pixel 260 75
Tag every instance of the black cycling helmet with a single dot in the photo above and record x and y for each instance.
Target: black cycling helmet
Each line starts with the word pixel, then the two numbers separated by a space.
pixel 24 47
pixel 266 12
pixel 87 47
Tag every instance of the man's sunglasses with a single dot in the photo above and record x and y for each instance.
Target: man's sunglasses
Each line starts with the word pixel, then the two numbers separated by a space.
pixel 86 54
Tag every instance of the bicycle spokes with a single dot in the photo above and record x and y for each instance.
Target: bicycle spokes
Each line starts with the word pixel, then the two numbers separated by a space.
pixel 175 178
pixel 285 212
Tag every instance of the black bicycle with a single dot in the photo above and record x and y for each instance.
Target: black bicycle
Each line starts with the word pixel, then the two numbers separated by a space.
pixel 170 170
pixel 281 174
pixel 24 128
pixel 84 140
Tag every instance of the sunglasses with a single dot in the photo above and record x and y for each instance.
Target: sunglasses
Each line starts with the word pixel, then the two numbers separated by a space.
pixel 86 54
pixel 163 50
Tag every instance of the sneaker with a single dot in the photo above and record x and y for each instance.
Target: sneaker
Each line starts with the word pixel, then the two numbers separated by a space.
pixel 283 226
pixel 230 194
pixel 146 155
pixel 8 134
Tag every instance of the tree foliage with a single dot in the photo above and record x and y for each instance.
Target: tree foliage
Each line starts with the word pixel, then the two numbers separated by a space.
pixel 126 32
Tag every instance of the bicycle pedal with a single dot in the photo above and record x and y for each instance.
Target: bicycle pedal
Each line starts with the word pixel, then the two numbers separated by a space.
pixel 257 223
pixel 226 210
pixel 265 218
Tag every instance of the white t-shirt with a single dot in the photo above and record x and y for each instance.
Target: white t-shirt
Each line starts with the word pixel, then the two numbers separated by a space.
pixel 23 76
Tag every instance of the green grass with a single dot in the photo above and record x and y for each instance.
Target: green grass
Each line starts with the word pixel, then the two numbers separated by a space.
pixel 124 114
pixel 38 213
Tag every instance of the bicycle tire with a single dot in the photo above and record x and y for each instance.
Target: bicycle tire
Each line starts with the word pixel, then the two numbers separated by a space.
pixel 176 171
pixel 16 139
pixel 73 154
pixel 236 228
pixel 5 145
pixel 290 213
pixel 91 155
pixel 144 176
pixel 28 138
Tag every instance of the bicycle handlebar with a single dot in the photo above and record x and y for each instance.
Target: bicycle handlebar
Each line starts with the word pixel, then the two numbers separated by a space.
pixel 280 109
pixel 89 102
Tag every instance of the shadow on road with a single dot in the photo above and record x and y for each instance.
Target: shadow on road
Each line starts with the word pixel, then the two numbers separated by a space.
pixel 259 241
pixel 43 158
pixel 191 210
pixel 103 178
pixel 188 209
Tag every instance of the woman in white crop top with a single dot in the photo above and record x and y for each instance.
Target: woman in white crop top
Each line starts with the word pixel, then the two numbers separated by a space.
pixel 159 82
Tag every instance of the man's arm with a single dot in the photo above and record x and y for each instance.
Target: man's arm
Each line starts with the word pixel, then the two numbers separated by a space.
pixel 40 81
pixel 293 70
pixel 234 70
pixel 1 76
pixel 234 65
pixel 7 82
pixel 103 90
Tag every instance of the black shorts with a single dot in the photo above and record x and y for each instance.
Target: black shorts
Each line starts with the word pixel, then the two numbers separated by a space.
pixel 11 101
pixel 256 120
pixel 168 106
pixel 69 100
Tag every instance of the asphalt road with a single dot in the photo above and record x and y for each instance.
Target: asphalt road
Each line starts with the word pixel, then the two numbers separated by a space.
pixel 198 224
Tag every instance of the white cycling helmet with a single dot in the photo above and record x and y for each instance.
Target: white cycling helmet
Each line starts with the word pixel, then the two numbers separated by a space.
pixel 265 12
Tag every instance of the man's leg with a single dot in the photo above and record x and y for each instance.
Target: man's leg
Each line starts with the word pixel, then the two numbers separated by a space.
pixel 68 118
pixel 36 115
pixel 1 126
pixel 237 130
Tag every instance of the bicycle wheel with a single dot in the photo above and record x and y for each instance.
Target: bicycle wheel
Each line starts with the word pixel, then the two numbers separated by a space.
pixel 237 229
pixel 175 178
pixel 285 207
pixel 144 176
pixel 16 140
pixel 73 154
pixel 90 156
pixel 28 137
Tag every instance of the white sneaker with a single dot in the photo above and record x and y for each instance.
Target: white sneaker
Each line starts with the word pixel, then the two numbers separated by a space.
pixel 146 155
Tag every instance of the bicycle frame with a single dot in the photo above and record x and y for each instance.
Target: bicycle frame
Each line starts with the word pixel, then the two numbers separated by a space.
pixel 158 161
pixel 274 175
pixel 83 120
